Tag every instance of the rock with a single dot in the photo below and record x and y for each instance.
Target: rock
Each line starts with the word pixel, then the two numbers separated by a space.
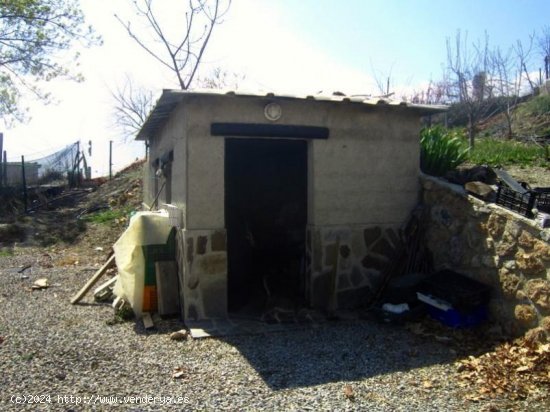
pixel 510 264
pixel 525 314
pixel 41 283
pixel 489 261
pixel 536 336
pixel 506 248
pixel 481 210
pixel 509 283
pixel 61 376
pixel 179 335
pixel 526 240
pixel 495 225
pixel 520 295
pixel 480 189
pixel 538 290
pixel 481 174
pixel 474 238
pixel 530 264
pixel 513 229
pixel 179 372
pixel 348 392
pixel 542 250
pixel 442 216
pixel 545 235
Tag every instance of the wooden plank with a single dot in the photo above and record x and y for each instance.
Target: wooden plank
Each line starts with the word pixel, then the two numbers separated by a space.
pixel 105 285
pixel 93 280
pixel 167 287
pixel 147 320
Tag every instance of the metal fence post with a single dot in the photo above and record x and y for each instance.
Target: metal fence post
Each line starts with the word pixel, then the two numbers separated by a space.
pixel 5 170
pixel 24 183
pixel 1 165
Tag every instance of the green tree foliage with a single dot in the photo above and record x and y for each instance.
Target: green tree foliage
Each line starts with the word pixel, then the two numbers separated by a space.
pixel 33 36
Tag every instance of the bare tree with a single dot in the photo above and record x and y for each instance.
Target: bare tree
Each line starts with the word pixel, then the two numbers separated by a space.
pixel 133 103
pixel 221 79
pixel 434 93
pixel 543 43
pixel 182 56
pixel 383 83
pixel 132 106
pixel 523 55
pixel 468 67
pixel 506 83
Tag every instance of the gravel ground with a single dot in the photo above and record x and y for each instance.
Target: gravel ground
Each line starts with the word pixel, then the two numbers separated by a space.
pixel 56 350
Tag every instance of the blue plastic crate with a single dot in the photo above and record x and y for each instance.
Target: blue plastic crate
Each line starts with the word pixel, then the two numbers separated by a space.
pixel 458 319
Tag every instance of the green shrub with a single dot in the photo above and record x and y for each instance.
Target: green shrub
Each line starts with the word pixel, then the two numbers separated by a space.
pixel 441 150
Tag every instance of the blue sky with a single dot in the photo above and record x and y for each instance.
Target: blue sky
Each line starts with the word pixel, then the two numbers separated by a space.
pixel 409 36
pixel 284 46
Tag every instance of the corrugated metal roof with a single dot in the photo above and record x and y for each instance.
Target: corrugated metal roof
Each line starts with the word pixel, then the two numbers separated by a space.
pixel 170 99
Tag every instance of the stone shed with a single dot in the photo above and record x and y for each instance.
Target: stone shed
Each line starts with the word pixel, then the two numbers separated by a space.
pixel 285 201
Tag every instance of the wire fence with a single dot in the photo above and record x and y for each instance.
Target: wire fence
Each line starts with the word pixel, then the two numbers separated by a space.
pixel 58 167
pixel 22 182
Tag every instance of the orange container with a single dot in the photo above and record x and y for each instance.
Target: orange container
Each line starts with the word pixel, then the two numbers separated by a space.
pixel 150 298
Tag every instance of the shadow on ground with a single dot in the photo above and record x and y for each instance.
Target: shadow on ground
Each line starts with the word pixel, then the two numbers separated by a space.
pixel 338 351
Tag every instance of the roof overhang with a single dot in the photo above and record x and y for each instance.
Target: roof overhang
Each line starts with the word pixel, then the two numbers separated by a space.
pixel 170 99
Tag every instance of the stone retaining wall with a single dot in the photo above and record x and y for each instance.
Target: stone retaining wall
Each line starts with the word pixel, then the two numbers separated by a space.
pixel 495 246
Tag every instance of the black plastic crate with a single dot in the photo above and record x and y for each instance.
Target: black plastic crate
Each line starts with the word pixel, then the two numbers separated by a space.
pixel 524 203
pixel 463 293
pixel 543 199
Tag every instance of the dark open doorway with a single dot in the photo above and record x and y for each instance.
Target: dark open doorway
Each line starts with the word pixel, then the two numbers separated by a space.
pixel 266 216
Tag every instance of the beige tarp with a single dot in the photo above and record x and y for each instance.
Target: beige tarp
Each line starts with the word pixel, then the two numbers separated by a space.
pixel 146 228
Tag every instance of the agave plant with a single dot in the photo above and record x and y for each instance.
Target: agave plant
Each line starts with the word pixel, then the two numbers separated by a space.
pixel 441 150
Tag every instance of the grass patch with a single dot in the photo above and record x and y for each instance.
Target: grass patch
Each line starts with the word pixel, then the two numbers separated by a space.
pixel 27 357
pixel 109 216
pixel 6 252
pixel 500 152
pixel 537 106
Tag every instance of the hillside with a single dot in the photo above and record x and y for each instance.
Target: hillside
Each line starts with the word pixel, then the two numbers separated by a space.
pixel 529 119
pixel 82 225
pixel 526 156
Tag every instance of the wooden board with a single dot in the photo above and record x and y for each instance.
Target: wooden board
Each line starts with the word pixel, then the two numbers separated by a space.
pixel 93 280
pixel 105 285
pixel 147 320
pixel 167 287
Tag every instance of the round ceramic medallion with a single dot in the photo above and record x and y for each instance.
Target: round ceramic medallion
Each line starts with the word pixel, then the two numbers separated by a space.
pixel 273 111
